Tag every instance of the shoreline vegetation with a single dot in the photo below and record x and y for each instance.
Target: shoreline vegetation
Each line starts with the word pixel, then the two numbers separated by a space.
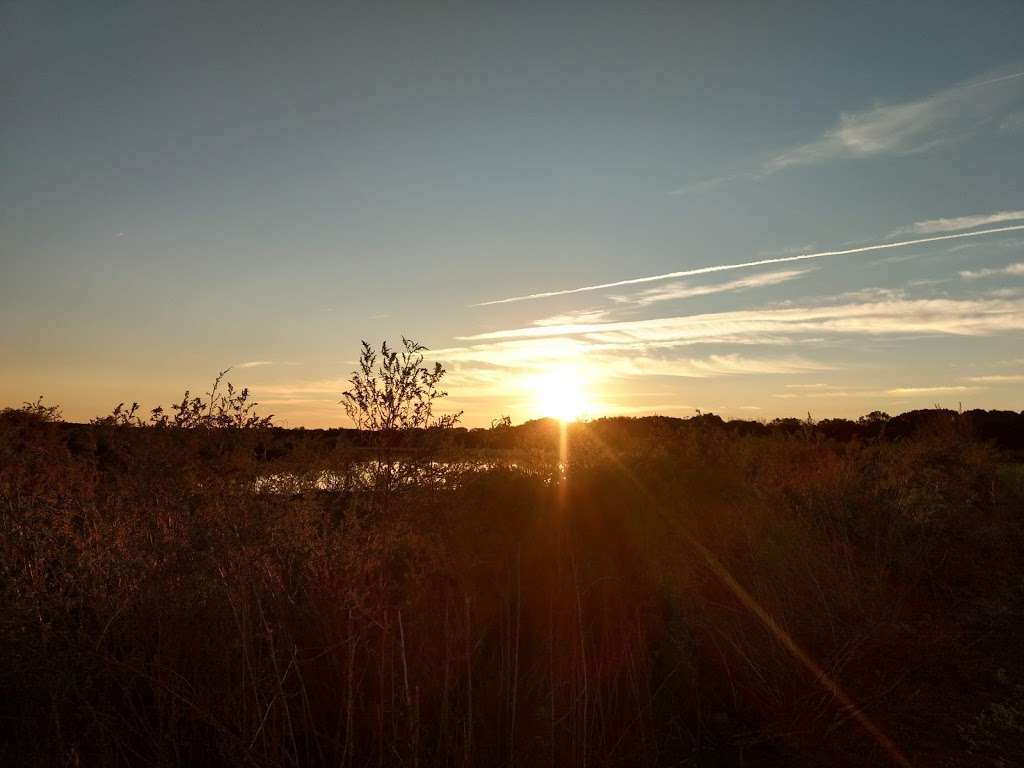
pixel 627 591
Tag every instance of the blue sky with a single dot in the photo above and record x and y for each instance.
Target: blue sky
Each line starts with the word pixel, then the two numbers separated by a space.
pixel 190 186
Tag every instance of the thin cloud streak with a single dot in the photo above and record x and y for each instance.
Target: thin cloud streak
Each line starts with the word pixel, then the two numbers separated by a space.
pixel 999 378
pixel 930 390
pixel 746 265
pixel 579 316
pixel 710 366
pixel 1012 269
pixel 1013 76
pixel 965 317
pixel 871 393
pixel 260 363
pixel 933 226
pixel 686 290
pixel 487 365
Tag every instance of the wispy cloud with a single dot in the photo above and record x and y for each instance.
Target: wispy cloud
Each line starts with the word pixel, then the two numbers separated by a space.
pixel 261 363
pixel 707 367
pixel 956 223
pixel 501 362
pixel 491 364
pixel 913 126
pixel 577 316
pixel 826 394
pixel 905 128
pixel 919 391
pixel 871 294
pixel 683 290
pixel 746 265
pixel 1001 378
pixel 1012 269
pixel 1006 244
pixel 899 259
pixel 856 392
pixel 623 409
pixel 964 317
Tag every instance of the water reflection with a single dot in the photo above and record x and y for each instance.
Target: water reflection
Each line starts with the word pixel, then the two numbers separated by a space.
pixel 370 474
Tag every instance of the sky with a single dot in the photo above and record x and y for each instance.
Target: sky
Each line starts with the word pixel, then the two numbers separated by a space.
pixel 756 210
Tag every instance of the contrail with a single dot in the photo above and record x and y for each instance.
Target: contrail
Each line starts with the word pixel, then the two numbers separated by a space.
pixel 745 264
pixel 1014 76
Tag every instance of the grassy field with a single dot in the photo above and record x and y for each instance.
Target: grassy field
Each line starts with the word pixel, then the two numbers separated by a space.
pixel 654 592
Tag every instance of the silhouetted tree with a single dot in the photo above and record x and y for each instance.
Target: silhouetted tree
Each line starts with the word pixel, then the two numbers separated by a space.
pixel 392 397
pixel 398 392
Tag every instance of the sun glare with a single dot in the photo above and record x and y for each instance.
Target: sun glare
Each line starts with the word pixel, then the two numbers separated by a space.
pixel 561 394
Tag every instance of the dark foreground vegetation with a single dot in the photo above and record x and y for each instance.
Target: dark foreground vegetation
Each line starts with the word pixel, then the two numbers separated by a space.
pixel 675 592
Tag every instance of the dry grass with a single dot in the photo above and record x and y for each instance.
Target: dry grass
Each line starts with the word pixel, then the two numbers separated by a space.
pixel 157 610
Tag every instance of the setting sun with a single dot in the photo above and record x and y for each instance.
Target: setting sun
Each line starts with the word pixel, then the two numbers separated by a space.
pixel 561 394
